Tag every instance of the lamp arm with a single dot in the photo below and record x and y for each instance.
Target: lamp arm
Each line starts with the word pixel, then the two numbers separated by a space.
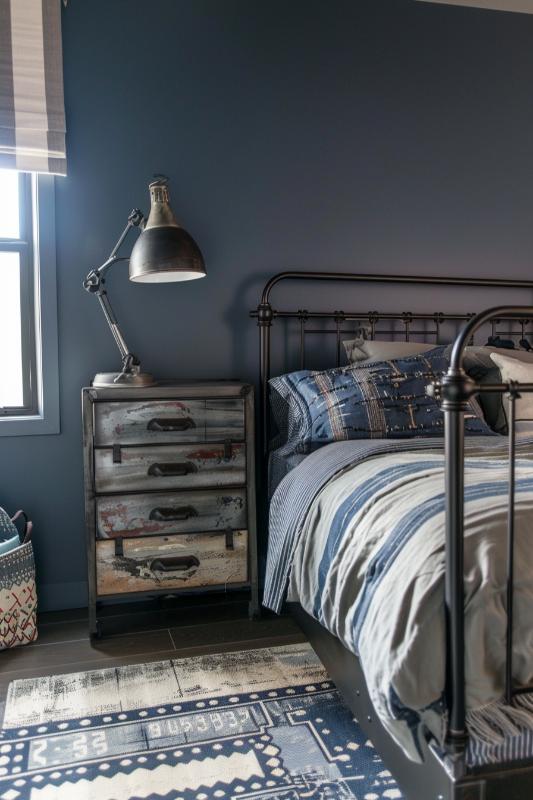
pixel 94 279
pixel 111 320
pixel 135 220
pixel 94 283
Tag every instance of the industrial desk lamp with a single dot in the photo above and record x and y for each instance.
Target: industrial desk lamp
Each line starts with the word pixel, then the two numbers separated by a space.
pixel 164 252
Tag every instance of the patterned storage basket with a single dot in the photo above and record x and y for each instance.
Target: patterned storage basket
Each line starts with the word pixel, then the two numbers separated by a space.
pixel 18 597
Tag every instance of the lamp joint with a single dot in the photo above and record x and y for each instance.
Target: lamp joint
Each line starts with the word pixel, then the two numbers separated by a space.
pixel 136 218
pixel 92 282
pixel 129 362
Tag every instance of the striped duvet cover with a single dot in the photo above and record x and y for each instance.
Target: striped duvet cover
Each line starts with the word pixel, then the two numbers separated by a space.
pixel 357 537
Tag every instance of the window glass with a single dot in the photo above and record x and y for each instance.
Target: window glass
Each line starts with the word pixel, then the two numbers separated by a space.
pixel 11 379
pixel 9 204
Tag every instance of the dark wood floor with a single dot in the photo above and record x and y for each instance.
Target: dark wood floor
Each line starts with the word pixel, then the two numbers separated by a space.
pixel 140 636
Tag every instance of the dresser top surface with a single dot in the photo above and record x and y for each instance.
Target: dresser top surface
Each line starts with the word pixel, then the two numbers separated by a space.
pixel 170 389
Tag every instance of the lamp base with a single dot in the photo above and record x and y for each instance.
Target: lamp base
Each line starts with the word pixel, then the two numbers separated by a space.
pixel 117 380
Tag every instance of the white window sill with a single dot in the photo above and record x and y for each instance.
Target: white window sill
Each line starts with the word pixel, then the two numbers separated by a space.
pixel 29 426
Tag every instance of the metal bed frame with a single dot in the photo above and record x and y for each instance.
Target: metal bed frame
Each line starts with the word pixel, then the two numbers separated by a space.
pixel 443 775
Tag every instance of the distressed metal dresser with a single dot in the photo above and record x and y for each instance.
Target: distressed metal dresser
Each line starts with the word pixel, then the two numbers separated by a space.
pixel 169 491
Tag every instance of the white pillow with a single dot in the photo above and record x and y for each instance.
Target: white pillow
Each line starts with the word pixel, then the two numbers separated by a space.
pixel 367 350
pixel 514 370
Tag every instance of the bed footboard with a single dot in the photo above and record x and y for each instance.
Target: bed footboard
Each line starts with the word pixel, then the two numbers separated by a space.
pixel 455 390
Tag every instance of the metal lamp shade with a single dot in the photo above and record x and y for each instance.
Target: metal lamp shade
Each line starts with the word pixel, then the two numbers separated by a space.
pixel 165 254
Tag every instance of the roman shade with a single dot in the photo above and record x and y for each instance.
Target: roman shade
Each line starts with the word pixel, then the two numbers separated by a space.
pixel 32 111
pixel 521 6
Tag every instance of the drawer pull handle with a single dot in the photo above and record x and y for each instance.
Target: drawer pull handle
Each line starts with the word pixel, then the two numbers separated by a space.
pixel 171 424
pixel 173 564
pixel 176 514
pixel 170 470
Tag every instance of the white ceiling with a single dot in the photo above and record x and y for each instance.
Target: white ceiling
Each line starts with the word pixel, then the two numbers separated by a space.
pixel 523 6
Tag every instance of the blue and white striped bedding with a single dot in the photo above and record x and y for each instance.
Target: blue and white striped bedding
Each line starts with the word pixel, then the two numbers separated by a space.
pixel 357 537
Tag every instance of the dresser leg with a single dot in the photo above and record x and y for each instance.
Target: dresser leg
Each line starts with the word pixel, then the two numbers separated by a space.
pixel 95 626
pixel 254 607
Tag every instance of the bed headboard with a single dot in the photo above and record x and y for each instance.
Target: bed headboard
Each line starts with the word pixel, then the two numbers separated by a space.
pixel 337 323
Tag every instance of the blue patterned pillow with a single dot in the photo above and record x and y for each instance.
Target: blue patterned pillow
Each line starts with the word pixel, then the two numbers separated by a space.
pixel 384 400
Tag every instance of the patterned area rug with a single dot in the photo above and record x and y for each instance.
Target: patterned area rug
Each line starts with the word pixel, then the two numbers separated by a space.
pixel 263 724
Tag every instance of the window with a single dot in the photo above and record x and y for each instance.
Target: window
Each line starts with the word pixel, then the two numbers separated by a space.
pixel 28 318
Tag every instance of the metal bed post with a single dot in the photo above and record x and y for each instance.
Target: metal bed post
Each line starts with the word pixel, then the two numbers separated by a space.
pixel 454 396
pixel 264 321
pixel 513 394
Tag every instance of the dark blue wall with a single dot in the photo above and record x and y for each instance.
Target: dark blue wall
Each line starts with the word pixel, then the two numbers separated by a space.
pixel 380 135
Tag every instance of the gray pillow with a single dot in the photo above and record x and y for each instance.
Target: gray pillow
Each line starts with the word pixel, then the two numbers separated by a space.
pixel 481 367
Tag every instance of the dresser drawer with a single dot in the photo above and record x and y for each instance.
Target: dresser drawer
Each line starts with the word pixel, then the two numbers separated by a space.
pixel 177 512
pixel 169 467
pixel 160 421
pixel 171 562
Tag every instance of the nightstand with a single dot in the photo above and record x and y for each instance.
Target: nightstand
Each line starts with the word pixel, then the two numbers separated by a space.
pixel 169 491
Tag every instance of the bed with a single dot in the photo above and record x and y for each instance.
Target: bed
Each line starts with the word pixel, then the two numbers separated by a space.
pixel 405 559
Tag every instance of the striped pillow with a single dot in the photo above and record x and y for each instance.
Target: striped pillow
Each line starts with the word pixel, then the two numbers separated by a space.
pixel 384 400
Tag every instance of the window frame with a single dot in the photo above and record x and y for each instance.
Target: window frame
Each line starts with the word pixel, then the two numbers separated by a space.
pixel 36 245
